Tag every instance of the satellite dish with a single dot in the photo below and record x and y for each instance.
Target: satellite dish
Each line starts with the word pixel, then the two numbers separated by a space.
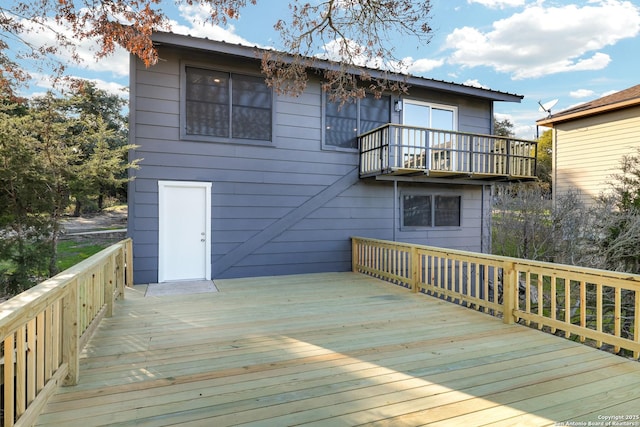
pixel 547 106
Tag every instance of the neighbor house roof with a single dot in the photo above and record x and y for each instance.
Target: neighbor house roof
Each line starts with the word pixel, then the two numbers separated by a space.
pixel 624 99
pixel 244 51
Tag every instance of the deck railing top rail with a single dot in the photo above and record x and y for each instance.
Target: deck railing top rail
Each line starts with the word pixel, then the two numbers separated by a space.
pixel 401 149
pixel 580 303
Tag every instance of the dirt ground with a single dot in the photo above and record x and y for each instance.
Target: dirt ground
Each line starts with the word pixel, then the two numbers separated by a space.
pixel 109 219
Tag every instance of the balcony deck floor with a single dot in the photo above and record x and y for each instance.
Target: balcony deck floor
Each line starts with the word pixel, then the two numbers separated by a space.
pixel 332 349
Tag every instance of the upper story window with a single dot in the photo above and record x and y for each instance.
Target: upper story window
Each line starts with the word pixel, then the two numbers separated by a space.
pixel 429 115
pixel 426 210
pixel 342 125
pixel 227 105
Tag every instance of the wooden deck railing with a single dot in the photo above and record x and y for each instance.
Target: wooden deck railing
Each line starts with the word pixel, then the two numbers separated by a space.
pixel 44 329
pixel 398 149
pixel 580 303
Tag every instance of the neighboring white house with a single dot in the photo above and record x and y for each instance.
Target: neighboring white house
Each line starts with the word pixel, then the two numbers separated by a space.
pixel 590 139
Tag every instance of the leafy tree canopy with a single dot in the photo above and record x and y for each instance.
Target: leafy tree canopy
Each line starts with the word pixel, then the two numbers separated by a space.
pixel 503 127
pixel 356 30
pixel 53 150
pixel 544 163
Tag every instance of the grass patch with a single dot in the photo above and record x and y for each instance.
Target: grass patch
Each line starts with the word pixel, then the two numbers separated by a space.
pixel 70 253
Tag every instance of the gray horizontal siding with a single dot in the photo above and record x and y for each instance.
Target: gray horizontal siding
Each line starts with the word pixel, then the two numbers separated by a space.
pixel 284 208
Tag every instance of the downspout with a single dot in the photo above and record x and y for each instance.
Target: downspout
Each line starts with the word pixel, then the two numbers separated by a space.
pixel 482 225
pixel 485 226
pixel 395 207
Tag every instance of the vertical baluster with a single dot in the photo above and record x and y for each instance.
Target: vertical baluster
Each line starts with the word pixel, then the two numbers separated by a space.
pixel 48 343
pixel 40 348
pixel 554 297
pixel 57 333
pixel 541 278
pixel 636 321
pixel 599 313
pixel 21 373
pixel 477 283
pixel 445 274
pixel 31 360
pixel 9 374
pixel 583 307
pixel 567 305
pixel 617 314
pixel 527 294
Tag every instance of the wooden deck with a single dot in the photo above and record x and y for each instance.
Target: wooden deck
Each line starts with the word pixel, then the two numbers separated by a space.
pixel 332 349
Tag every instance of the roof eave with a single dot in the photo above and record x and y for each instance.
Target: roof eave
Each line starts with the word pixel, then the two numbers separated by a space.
pixel 576 115
pixel 253 52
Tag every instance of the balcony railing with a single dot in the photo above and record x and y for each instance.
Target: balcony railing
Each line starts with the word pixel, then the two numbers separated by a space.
pixel 396 149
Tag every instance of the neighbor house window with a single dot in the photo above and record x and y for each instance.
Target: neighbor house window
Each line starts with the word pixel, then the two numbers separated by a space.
pixel 426 210
pixel 344 123
pixel 227 105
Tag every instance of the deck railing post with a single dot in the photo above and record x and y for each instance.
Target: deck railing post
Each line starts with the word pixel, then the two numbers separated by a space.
pixel 70 333
pixel 509 291
pixel 414 269
pixel 128 247
pixel 354 255
pixel 109 286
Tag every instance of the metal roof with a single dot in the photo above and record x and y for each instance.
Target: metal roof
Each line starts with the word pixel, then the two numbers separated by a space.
pixel 253 52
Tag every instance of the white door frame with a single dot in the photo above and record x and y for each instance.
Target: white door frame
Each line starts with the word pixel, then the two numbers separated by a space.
pixel 162 226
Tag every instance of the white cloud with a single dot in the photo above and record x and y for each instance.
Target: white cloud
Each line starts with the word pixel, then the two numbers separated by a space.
pixel 546 40
pixel 40 36
pixel 46 83
pixel 118 62
pixel 421 65
pixel 112 88
pixel 475 83
pixel 349 51
pixel 581 93
pixel 196 16
pixel 501 4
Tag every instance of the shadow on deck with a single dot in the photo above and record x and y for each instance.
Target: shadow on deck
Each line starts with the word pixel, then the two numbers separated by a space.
pixel 333 349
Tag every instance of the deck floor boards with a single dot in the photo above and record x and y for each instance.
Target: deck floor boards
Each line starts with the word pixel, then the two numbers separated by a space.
pixel 332 349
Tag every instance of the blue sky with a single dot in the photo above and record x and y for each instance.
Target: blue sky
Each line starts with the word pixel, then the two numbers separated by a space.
pixel 573 51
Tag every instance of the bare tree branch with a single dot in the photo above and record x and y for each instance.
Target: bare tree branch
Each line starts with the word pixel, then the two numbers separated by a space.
pixel 353 33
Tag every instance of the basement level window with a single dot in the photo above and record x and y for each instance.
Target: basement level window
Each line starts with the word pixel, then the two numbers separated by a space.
pixel 427 210
pixel 227 106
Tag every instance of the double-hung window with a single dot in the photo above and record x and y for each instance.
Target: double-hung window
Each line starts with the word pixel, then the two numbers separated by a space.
pixel 228 106
pixel 427 210
pixel 343 124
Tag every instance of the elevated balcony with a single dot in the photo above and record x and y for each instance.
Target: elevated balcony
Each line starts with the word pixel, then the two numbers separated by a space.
pixel 396 149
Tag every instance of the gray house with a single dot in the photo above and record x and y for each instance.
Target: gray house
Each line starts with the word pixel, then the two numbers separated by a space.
pixel 238 181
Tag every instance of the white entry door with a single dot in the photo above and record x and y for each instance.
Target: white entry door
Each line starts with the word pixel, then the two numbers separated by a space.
pixel 184 239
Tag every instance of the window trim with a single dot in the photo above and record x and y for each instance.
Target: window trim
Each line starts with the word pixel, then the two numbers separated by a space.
pixel 432 195
pixel 329 147
pixel 207 138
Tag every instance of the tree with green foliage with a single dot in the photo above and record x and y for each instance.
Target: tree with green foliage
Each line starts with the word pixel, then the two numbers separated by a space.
pixel 503 127
pixel 544 159
pixel 21 222
pixel 101 133
pixel 50 151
